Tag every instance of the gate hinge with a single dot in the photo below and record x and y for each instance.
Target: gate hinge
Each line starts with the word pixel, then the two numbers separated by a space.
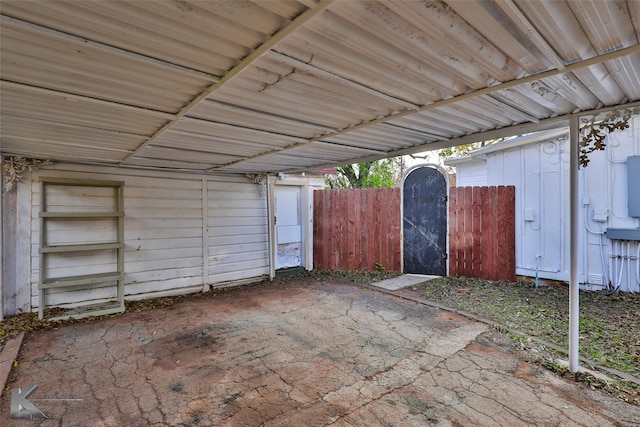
pixel 445 198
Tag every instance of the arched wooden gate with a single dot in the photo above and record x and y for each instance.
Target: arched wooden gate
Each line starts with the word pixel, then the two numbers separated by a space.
pixel 424 221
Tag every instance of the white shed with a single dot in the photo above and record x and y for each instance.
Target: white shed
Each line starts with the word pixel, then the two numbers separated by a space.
pixel 538 166
pixel 99 234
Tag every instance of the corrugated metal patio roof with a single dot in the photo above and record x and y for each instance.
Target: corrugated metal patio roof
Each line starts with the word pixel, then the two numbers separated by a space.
pixel 269 86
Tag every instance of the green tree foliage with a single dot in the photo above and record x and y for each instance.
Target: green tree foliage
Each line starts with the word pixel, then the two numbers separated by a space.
pixel 457 151
pixel 383 173
pixel 465 149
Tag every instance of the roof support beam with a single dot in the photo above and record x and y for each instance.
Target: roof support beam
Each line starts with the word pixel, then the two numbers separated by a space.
pixel 492 89
pixel 547 124
pixel 249 60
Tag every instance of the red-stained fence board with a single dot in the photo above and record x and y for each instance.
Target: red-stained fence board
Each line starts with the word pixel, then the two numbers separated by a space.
pixel 357 229
pixel 453 238
pixel 482 232
pixel 360 230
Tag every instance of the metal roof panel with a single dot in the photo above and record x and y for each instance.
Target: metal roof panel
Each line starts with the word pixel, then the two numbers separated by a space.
pixel 291 85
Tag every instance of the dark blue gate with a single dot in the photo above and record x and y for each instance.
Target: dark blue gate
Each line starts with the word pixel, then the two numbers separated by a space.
pixel 424 221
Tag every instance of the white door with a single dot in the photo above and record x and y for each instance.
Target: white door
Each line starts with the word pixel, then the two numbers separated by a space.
pixel 288 227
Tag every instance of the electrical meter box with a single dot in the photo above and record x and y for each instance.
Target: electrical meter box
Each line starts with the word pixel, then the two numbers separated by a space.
pixel 633 176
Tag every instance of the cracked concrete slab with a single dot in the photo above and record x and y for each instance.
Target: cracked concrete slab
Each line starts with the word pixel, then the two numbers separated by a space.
pixel 295 355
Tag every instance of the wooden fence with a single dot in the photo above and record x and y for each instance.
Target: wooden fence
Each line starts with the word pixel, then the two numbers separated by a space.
pixel 482 232
pixel 356 229
pixel 360 230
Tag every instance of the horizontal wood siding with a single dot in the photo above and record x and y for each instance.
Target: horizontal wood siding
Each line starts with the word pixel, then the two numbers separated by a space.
pixel 482 232
pixel 236 231
pixel 356 229
pixel 164 218
pixel 157 263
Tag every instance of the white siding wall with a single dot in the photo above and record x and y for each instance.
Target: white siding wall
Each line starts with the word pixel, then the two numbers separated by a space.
pixel 604 182
pixel 237 238
pixel 471 173
pixel 181 232
pixel 540 172
pixel 163 241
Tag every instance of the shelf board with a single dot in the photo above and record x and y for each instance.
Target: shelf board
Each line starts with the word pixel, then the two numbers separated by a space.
pixel 87 279
pixel 91 310
pixel 49 180
pixel 81 215
pixel 80 247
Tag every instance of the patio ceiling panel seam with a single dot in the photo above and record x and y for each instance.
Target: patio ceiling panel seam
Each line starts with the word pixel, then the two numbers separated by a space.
pixel 73 97
pixel 274 150
pixel 232 126
pixel 53 140
pixel 405 129
pixel 512 10
pixel 352 147
pixel 509 108
pixel 261 114
pixel 296 63
pixel 111 49
pixel 198 135
pixel 73 125
pixel 248 60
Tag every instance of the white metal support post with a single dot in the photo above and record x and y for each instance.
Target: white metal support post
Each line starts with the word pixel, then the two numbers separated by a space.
pixel 574 290
pixel 205 236
pixel 271 226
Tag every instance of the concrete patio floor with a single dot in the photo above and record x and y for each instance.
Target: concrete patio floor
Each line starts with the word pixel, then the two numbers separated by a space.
pixel 295 355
